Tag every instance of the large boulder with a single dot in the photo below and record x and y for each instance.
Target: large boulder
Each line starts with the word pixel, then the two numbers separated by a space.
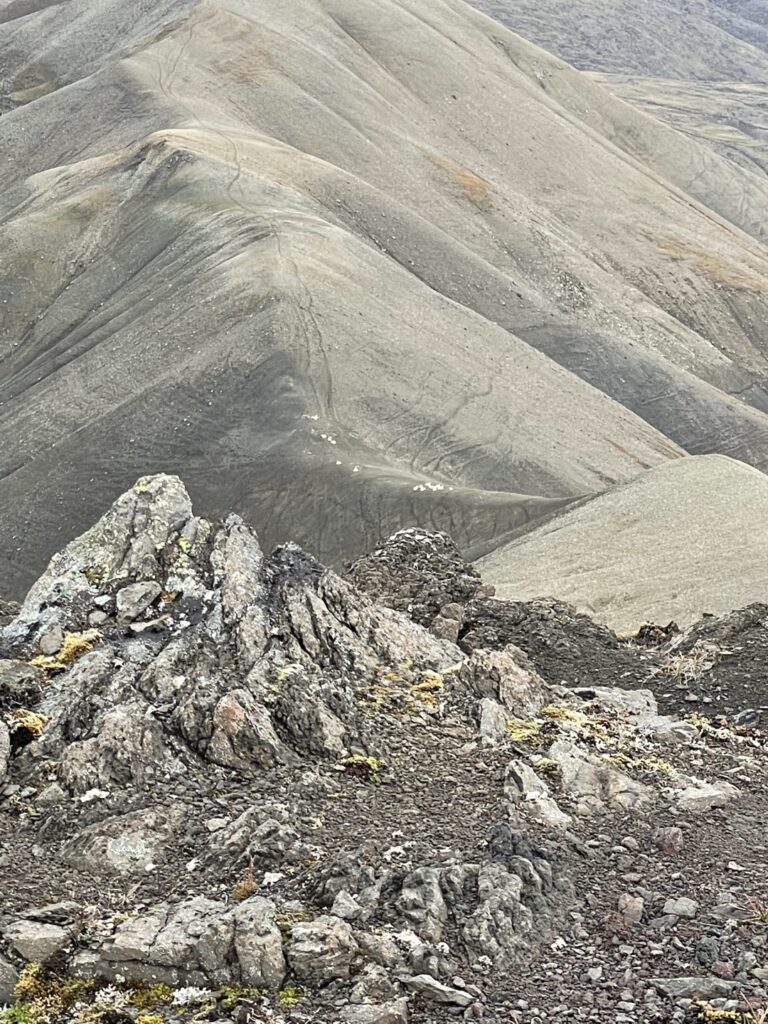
pixel 258 944
pixel 36 941
pixel 322 950
pixel 125 844
pixel 593 784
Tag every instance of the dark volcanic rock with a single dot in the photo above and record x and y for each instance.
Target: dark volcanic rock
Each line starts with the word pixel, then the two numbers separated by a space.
pixel 418 573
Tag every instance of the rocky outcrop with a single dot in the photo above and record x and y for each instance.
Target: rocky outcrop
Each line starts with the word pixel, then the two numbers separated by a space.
pixel 292 791
pixel 208 649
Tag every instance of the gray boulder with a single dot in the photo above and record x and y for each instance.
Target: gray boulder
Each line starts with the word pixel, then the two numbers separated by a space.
pixel 430 988
pixel 322 950
pixel 594 785
pixel 393 1012
pixel 36 941
pixel 5 749
pixel 126 844
pixel 508 677
pixel 682 907
pixel 258 944
pixel 493 722
pixel 8 978
pixel 422 905
pixel 531 795
pixel 133 601
pixel 693 987
pixel 702 797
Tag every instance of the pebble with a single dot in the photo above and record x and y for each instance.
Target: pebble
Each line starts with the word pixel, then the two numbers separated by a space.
pixel 51 641
pixel 669 840
pixel 682 907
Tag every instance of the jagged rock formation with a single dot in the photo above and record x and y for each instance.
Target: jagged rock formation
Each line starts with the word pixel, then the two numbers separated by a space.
pixel 267 783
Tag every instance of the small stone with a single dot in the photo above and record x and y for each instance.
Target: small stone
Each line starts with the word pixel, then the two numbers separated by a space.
pixel 97 618
pixel 631 907
pixel 723 969
pixel 51 641
pixel 133 600
pixel 594 974
pixel 630 843
pixel 669 840
pixel 682 907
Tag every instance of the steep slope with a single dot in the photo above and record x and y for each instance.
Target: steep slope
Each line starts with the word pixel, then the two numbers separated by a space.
pixel 712 87
pixel 348 267
pixel 705 40
pixel 680 541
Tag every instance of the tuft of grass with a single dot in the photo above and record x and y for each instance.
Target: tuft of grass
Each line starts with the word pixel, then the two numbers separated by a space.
pixel 246 887
pixel 758 910
pixel 685 669
pixel 524 730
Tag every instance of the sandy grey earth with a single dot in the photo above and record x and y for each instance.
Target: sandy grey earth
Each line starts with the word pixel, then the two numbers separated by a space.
pixel 662 548
pixel 234 787
pixel 701 67
pixel 352 266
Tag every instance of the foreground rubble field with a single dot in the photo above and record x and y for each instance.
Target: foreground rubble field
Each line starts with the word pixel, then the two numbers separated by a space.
pixel 239 786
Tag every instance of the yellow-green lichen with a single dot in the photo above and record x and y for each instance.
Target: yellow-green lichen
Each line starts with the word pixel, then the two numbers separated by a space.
pixel 360 766
pixel 29 721
pixel 74 646
pixel 43 996
pixel 290 996
pixel 651 764
pixel 426 690
pixel 144 996
pixel 231 995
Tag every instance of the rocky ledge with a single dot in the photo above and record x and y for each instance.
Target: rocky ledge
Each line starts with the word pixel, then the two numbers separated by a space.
pixel 238 786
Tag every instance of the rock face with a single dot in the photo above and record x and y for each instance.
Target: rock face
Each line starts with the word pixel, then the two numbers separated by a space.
pixel 421 574
pixel 8 978
pixel 218 666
